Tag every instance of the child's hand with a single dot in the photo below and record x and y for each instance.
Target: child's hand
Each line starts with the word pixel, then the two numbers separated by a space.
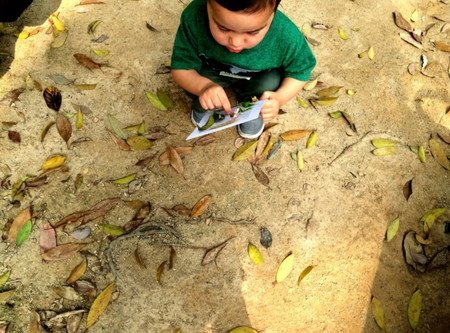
pixel 213 96
pixel 271 107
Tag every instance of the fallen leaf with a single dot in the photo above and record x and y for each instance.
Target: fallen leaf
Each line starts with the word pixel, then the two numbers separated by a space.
pixel 212 253
pixel 401 22
pixel 407 38
pixel 384 151
pixel 47 239
pixel 125 180
pixel 60 40
pixel 255 255
pixel 300 161
pixel 150 27
pixel 46 129
pixel 62 252
pixel 265 237
pixel 117 127
pixel 430 217
pixel 320 26
pixel 413 252
pixel 155 101
pixel 160 271
pixel 90 2
pixel 414 16
pixel 56 22
pixel 139 142
pixel 64 127
pixel 342 34
pixel 182 151
pixel 53 162
pixel 201 206
pixel 79 120
pixel 302 275
pixel 100 304
pixel 378 312
pixel 17 224
pixel 205 140
pixel 172 257
pixel 438 153
pixel 246 151
pixel 414 308
pixel 93 26
pixel 325 100
pixel 53 98
pixel 175 160
pixel 262 144
pixel 87 62
pixel 382 142
pixel 274 149
pixel 121 143
pixel 350 92
pixel 336 114
pixel 4 296
pixel 310 85
pixel 445 137
pixel 164 99
pixel 421 154
pixel 14 136
pixel 77 272
pixel 371 53
pixel 312 140
pixel 111 230
pixel 100 209
pixel 295 134
pixel 328 92
pixel 408 189
pixel 392 229
pixel 138 257
pixel 4 278
pixel 285 267
pixel 260 175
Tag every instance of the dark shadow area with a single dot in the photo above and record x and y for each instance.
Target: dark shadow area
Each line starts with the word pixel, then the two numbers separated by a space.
pixel 15 16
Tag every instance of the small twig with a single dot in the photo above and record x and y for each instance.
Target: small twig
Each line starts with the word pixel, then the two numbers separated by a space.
pixel 240 221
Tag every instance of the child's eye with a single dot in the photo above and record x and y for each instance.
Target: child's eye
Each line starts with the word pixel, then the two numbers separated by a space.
pixel 223 29
pixel 253 33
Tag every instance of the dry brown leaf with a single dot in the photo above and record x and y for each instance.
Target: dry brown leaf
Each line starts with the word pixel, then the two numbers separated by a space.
pixel 205 140
pixel 442 46
pixel 47 238
pixel 295 134
pixel 262 144
pixel 407 38
pixel 87 62
pixel 86 216
pixel 77 272
pixel 401 22
pixel 17 224
pixel 201 206
pixel 46 129
pixel 14 136
pixel 175 160
pixel 64 127
pixel 63 251
pixel 121 143
pixel 138 257
pixel 260 175
pixel 182 151
pixel 100 304
pixel 439 154
pixel 13 95
pixel 212 253
pixel 160 271
pixel 172 257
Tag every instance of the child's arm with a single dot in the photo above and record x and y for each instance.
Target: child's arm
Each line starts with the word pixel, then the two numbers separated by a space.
pixel 210 94
pixel 275 99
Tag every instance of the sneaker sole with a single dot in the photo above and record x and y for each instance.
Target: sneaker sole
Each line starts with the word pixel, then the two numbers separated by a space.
pixel 250 136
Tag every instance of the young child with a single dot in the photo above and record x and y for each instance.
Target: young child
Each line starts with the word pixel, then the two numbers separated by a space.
pixel 245 45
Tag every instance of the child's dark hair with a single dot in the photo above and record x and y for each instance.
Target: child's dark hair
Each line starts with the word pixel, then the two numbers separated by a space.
pixel 248 6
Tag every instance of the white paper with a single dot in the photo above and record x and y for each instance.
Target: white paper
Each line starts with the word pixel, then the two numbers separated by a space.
pixel 242 117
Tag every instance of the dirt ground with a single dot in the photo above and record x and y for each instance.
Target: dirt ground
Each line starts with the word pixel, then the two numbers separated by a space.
pixel 332 215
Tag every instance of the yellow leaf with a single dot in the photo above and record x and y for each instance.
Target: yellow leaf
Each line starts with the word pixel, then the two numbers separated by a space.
pixel 328 92
pixel 101 53
pixel 269 146
pixel 60 40
pixel 285 268
pixel 4 278
pixel 300 161
pixel 392 229
pixel 312 140
pixel 295 134
pixel 243 329
pixel 371 53
pixel 310 85
pixel 439 154
pixel 23 35
pixel 362 54
pixel 414 16
pixel 351 92
pixel 125 180
pixel 342 34
pixel 53 162
pixel 421 154
pixel 155 101
pixel 255 255
pixel 100 304
pixel 430 217
pixel 325 100
pixel 384 151
pixel 382 142
pixel 414 308
pixel 305 272
pixel 378 312
pixel 56 23
pixel 303 103
pixel 245 151
pixel 111 230
pixel 139 143
pixel 79 120
pixel 77 272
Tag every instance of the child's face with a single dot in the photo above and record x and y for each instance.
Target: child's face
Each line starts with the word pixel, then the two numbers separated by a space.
pixel 237 31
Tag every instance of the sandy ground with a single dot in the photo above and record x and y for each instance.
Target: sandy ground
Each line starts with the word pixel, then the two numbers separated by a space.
pixel 333 215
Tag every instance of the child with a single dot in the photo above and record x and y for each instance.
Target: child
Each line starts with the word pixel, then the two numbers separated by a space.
pixel 245 45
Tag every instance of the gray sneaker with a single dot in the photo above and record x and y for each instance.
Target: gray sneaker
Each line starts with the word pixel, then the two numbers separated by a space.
pixel 196 117
pixel 251 129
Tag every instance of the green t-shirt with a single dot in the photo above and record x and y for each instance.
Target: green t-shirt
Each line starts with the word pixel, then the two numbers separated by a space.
pixel 283 47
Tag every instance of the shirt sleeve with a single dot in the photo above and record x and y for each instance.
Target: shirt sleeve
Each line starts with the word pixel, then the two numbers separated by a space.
pixel 184 54
pixel 300 60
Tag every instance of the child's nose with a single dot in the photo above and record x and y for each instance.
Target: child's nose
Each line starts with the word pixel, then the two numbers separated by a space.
pixel 235 41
